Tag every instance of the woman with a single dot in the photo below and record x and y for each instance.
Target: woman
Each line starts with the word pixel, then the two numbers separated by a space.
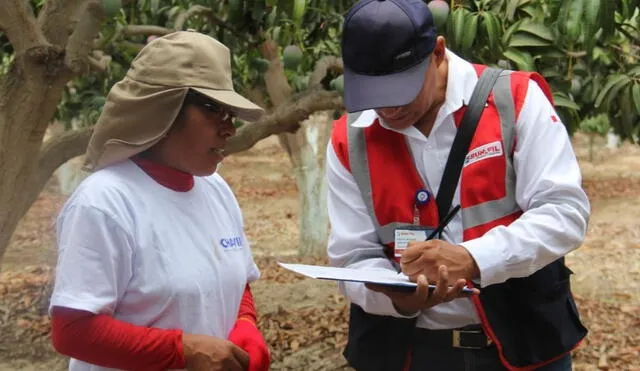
pixel 154 267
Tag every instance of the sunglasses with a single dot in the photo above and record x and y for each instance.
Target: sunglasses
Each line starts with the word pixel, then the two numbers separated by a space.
pixel 208 104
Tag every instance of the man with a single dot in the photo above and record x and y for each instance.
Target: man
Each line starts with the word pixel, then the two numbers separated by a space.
pixel 522 208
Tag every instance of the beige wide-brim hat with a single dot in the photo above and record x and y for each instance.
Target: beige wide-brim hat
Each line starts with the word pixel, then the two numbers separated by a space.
pixel 140 109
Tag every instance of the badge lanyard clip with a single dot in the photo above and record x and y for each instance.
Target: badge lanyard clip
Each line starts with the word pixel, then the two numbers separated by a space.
pixel 422 198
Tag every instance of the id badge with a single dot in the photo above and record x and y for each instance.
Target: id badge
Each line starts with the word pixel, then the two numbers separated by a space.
pixel 406 234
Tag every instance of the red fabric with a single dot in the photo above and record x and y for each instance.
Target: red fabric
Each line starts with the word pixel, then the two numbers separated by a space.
pixel 340 142
pixel 247 336
pixel 108 342
pixel 169 177
pixel 247 308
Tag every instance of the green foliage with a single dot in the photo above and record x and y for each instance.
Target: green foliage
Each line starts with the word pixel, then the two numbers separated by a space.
pixel 308 28
pixel 588 50
pixel 598 124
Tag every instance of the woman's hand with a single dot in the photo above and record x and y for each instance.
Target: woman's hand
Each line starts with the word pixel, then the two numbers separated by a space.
pixel 246 335
pixel 209 353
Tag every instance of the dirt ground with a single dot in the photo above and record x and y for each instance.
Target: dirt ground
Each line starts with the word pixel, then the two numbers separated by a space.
pixel 304 320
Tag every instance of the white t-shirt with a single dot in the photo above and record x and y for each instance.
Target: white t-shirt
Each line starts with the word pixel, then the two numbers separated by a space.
pixel 145 254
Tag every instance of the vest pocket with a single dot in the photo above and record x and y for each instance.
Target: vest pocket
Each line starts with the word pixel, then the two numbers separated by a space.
pixel 534 318
pixel 545 284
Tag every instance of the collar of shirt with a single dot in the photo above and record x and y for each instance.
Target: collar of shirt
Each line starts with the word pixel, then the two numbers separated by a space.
pixel 461 81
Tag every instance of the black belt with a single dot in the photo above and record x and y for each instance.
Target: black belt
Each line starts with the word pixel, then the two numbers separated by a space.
pixel 470 337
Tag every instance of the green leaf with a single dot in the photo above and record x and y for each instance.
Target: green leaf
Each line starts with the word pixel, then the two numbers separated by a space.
pixel 459 23
pixel 298 11
pixel 536 29
pixel 611 88
pixel 522 59
pixel 635 71
pixel 626 115
pixel 635 93
pixel 526 40
pixel 591 23
pixel 607 18
pixel 470 32
pixel 510 31
pixel 493 30
pixel 561 100
pixel 574 19
pixel 512 6
pixel 551 72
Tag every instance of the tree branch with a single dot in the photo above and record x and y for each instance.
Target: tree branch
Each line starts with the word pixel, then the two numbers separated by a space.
pixel 286 118
pixel 192 11
pixel 100 65
pixel 256 95
pixel 144 30
pixel 60 149
pixel 57 19
pixel 275 80
pixel 20 26
pixel 81 40
pixel 324 65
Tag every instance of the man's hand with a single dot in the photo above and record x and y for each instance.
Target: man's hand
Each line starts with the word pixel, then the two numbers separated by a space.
pixel 410 303
pixel 426 258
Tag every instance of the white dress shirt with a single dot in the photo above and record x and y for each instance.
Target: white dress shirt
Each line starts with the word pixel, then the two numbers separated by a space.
pixel 548 190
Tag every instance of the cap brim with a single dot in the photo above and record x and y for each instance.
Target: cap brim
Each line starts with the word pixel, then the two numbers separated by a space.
pixel 240 106
pixel 363 92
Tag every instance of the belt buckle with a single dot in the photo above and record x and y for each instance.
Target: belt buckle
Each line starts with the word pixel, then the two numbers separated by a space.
pixel 456 339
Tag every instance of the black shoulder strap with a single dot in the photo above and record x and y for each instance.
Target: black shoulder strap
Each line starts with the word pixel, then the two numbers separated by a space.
pixel 463 139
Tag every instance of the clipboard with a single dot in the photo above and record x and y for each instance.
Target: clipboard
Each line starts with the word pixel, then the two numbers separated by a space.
pixel 378 276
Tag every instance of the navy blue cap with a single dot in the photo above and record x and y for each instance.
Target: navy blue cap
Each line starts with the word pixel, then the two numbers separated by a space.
pixel 386 46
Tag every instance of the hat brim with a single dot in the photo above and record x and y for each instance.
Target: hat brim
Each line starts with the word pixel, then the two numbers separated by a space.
pixel 363 92
pixel 239 106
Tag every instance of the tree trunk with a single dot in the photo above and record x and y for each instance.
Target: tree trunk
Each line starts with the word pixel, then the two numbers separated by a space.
pixel 306 149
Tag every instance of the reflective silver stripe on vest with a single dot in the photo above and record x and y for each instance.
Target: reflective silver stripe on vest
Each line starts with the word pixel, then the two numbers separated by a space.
pixel 359 164
pixel 471 216
pixel 489 211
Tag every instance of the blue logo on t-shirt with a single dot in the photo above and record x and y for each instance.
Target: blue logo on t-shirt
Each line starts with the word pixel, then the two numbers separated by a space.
pixel 232 243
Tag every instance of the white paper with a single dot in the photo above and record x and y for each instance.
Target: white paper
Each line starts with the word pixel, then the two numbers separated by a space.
pixel 379 276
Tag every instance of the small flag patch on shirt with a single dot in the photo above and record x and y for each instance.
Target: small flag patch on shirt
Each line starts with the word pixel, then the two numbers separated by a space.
pixel 554 118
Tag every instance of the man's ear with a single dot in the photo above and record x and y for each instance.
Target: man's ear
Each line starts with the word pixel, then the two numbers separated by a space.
pixel 439 51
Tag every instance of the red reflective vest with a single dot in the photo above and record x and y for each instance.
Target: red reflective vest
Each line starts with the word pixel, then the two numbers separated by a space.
pixel 381 163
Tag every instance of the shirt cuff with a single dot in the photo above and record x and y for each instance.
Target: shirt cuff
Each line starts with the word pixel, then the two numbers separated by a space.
pixel 490 258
